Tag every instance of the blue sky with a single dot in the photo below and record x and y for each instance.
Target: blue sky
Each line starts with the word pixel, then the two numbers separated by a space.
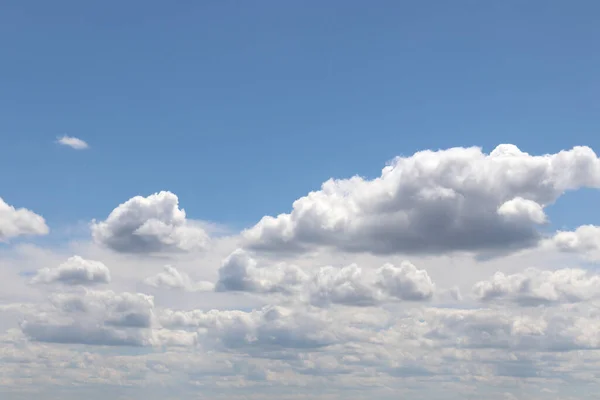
pixel 262 101
pixel 458 273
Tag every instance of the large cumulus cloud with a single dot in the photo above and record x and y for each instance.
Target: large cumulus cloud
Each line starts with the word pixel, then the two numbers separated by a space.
pixel 19 221
pixel 459 199
pixel 148 225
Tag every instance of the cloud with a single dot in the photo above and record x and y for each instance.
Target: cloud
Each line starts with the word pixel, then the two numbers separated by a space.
pixel 534 287
pixel 585 240
pixel 405 282
pixel 520 209
pixel 150 224
pixel 94 317
pixel 459 199
pixel 19 221
pixel 171 278
pixel 75 271
pixel 348 285
pixel 81 334
pixel 322 319
pixel 422 331
pixel 73 142
pixel 116 309
pixel 352 286
pixel 272 327
pixel 316 346
pixel 103 318
pixel 239 272
pixel 97 335
pixel 553 331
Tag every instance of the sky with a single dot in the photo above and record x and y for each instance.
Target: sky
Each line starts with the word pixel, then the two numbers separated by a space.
pixel 293 200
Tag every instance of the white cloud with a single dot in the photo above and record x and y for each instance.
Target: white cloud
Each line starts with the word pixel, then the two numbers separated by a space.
pixel 585 240
pixel 304 345
pixel 272 327
pixel 330 322
pixel 276 331
pixel 149 225
pixel 115 309
pixel 458 199
pixel 19 221
pixel 521 210
pixel 93 317
pixel 75 332
pixel 171 278
pixel 240 272
pixel 553 330
pixel 535 287
pixel 352 285
pixel 73 142
pixel 348 285
pixel 75 271
pixel 103 318
pixel 405 282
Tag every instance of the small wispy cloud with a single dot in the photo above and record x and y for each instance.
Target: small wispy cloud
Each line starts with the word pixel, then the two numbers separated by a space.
pixel 73 142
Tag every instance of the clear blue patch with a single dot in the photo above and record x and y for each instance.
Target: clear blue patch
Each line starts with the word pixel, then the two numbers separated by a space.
pixel 575 208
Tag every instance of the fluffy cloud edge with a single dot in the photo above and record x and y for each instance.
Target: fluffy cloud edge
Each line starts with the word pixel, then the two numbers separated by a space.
pixel 459 199
pixel 16 222
pixel 152 224
pixel 74 271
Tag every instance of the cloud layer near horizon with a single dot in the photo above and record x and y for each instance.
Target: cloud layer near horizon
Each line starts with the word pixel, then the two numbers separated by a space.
pixel 367 288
